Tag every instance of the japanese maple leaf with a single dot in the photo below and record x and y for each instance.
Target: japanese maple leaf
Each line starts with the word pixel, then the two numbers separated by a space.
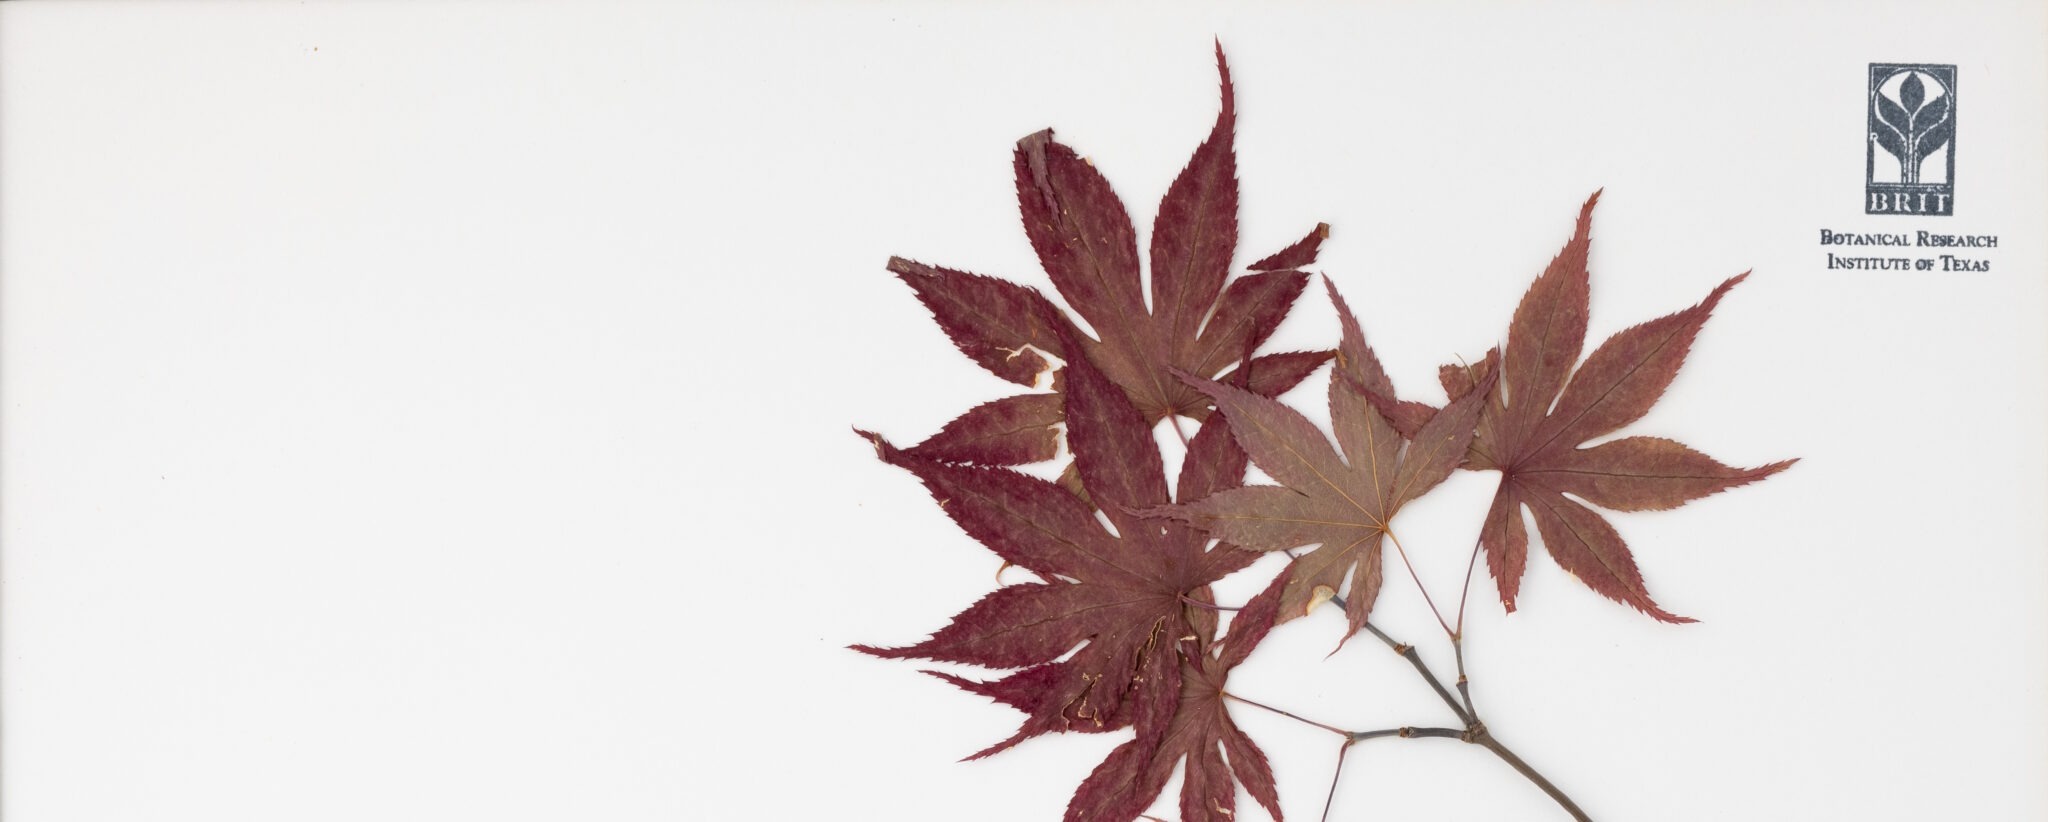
pixel 1197 737
pixel 1085 240
pixel 1536 420
pixel 1343 503
pixel 1127 595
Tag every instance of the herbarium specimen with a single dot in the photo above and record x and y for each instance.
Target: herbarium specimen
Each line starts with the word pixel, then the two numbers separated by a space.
pixel 1154 654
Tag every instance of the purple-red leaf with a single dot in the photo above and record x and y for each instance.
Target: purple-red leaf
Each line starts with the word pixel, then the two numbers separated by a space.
pixel 1010 431
pixel 1122 598
pixel 1213 462
pixel 1081 232
pixel 1342 503
pixel 1626 375
pixel 1583 543
pixel 1085 241
pixel 1540 412
pixel 1122 630
pixel 1356 361
pixel 1030 523
pixel 1025 624
pixel 1645 474
pixel 1274 374
pixel 1195 231
pixel 1196 738
pixel 1299 255
pixel 1245 316
pixel 1040 692
pixel 1113 449
pixel 1506 541
pixel 1549 328
pixel 998 324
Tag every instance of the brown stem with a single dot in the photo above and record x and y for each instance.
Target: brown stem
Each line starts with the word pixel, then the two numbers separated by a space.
pixel 1356 737
pixel 1174 420
pixel 1476 735
pixel 1408 652
pixel 1465 593
pixel 1475 732
pixel 1485 740
pixel 1331 797
pixel 1464 690
pixel 1406 732
pixel 1206 605
pixel 1331 728
pixel 1426 600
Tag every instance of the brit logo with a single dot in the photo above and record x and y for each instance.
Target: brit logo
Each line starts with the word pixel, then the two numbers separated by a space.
pixel 1912 161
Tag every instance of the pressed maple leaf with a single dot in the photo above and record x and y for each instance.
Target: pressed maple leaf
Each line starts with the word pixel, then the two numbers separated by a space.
pixel 1343 503
pixel 1087 245
pixel 1126 595
pixel 1197 738
pixel 1535 421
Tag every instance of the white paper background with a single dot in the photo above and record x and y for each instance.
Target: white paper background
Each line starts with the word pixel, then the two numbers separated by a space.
pixel 441 411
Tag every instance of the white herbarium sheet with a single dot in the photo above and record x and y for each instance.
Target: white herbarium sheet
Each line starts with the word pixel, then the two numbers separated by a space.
pixel 443 410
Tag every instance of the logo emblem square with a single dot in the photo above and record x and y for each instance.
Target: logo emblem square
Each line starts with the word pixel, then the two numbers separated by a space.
pixel 1911 164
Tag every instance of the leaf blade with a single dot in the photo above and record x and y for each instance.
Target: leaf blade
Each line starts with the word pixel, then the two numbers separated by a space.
pixel 1646 474
pixel 1195 230
pixel 1506 541
pixel 1584 543
pixel 1279 439
pixel 1548 329
pixel 1439 446
pixel 1266 518
pixel 1114 451
pixel 1027 521
pixel 1021 625
pixel 1626 375
pixel 996 323
pixel 1301 254
pixel 1246 315
pixel 1010 431
pixel 1082 234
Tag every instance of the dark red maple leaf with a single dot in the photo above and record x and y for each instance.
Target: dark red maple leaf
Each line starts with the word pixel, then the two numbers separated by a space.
pixel 1087 245
pixel 1127 595
pixel 1196 738
pixel 1535 419
pixel 1344 503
